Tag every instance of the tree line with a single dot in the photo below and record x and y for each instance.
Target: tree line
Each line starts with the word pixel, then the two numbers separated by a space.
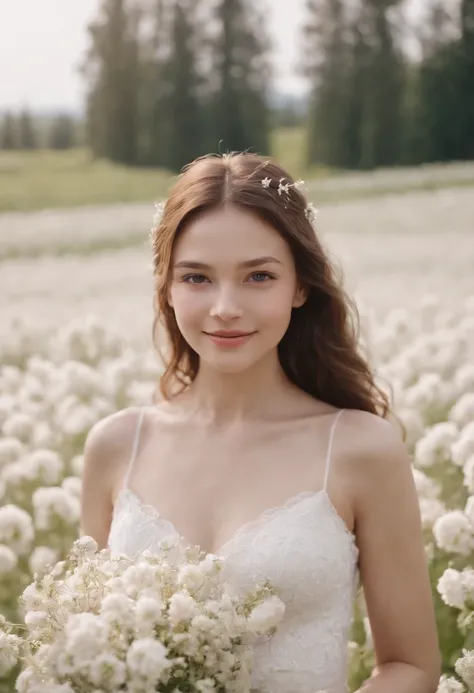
pixel 374 105
pixel 25 131
pixel 170 80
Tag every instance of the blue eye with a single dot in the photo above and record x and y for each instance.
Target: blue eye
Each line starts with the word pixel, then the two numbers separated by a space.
pixel 194 279
pixel 261 277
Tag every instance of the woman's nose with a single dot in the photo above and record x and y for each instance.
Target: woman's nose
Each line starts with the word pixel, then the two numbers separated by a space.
pixel 226 305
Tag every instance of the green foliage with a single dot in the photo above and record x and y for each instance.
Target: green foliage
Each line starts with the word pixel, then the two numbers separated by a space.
pixel 171 81
pixel 62 132
pixel 9 133
pixel 43 179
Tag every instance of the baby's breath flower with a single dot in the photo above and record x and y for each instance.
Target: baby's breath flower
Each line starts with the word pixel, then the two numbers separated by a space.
pixel 283 187
pixel 8 559
pixel 311 213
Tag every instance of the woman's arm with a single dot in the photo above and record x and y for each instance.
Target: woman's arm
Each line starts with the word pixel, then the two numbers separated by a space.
pixel 106 455
pixel 393 566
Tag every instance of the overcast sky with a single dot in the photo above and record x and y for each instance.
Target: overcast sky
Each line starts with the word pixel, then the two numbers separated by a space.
pixel 42 41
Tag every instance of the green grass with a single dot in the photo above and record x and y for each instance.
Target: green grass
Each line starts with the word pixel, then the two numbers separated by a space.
pixel 46 179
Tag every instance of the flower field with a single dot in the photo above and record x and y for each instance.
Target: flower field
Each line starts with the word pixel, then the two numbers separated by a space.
pixel 75 346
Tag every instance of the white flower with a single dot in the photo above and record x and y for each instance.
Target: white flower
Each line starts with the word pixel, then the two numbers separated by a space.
pixel 8 559
pixel 148 614
pixel 43 436
pixel 147 658
pixel 465 668
pixel 46 466
pixel 425 486
pixel 467 578
pixel 430 391
pixel 182 608
pixel 108 671
pixel 42 558
pixel 32 598
pixel 72 485
pixel 86 546
pixel 451 589
pixel 431 509
pixel 36 621
pixel 16 529
pixel 267 615
pixel 311 213
pixel 283 187
pixel 206 686
pixel 449 685
pixel 266 182
pixel 462 412
pixel 8 652
pixel 11 449
pixel 118 609
pixel 139 577
pixel 27 681
pixel 53 504
pixel 158 215
pixel 454 533
pixel 463 448
pixel 469 510
pixel 85 637
pixel 435 446
pixel 469 474
pixel 299 185
pixel 19 426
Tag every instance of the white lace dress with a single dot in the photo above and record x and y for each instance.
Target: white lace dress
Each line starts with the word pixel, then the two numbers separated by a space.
pixel 305 549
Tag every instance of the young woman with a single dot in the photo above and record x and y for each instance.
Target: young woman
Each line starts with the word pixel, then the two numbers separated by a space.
pixel 270 445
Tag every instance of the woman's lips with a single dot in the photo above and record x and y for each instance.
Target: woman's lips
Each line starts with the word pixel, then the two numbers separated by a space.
pixel 231 340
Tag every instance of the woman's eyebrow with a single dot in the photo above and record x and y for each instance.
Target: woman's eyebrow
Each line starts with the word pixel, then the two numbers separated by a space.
pixel 254 262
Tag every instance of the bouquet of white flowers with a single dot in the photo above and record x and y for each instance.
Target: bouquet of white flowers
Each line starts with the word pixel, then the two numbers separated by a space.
pixel 98 623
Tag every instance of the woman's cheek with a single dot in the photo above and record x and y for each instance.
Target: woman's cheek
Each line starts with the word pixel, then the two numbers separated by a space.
pixel 189 306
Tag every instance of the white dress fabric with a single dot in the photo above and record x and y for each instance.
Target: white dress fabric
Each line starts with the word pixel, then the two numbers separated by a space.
pixel 306 551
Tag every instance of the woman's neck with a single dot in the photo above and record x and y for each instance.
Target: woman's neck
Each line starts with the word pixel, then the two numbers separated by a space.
pixel 222 399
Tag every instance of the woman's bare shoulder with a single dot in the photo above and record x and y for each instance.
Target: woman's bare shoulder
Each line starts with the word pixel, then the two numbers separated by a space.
pixel 372 448
pixel 110 440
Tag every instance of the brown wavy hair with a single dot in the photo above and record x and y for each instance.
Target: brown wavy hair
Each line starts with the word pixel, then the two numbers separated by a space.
pixel 320 350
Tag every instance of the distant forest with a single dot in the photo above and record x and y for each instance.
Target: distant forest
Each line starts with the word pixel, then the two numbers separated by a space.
pixel 170 80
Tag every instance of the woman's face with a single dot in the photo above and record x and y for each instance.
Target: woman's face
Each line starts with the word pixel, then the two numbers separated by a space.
pixel 233 288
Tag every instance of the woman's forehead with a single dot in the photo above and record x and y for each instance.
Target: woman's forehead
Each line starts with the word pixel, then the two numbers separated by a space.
pixel 231 232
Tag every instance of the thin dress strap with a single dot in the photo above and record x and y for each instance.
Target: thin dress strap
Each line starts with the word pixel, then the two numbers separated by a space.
pixel 136 442
pixel 331 439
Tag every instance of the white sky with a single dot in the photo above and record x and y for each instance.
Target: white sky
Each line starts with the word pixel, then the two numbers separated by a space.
pixel 42 42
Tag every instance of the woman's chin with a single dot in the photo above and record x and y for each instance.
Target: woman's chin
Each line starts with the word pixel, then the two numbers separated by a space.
pixel 228 363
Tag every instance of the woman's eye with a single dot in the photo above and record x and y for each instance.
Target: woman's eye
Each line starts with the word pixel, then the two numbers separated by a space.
pixel 261 277
pixel 194 279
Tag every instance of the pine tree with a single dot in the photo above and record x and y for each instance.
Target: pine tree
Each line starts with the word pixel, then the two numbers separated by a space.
pixel 466 78
pixel 444 113
pixel 326 64
pixel 356 74
pixel 62 133
pixel 383 119
pixel 9 133
pixel 238 104
pixel 112 71
pixel 26 130
pixel 179 126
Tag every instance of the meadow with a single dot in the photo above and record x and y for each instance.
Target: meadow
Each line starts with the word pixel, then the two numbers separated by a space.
pixel 75 345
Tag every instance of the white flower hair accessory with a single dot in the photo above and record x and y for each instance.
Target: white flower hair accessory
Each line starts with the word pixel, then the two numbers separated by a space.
pixel 311 211
pixel 282 189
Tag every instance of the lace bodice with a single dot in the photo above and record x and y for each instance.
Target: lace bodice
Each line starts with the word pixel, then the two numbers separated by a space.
pixel 304 548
